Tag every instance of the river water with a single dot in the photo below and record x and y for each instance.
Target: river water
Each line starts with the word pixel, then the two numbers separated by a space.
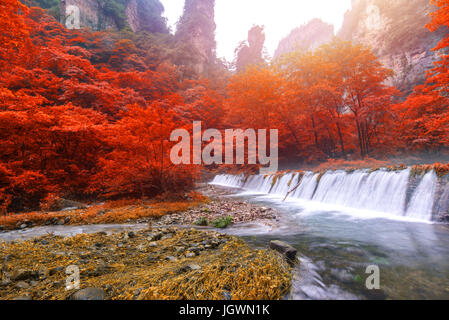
pixel 337 243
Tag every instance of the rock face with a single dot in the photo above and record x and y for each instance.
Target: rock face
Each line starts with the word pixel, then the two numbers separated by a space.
pixel 309 36
pixel 91 16
pixel 396 32
pixel 196 32
pixel 251 52
pixel 139 15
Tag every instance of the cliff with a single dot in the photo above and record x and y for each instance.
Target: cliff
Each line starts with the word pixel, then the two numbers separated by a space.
pixel 396 32
pixel 196 33
pixel 309 36
pixel 138 15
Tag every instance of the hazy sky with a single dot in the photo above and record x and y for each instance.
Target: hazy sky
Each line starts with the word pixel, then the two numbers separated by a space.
pixel 235 17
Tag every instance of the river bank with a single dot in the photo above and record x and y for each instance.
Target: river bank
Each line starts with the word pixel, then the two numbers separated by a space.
pixel 157 263
pixel 208 207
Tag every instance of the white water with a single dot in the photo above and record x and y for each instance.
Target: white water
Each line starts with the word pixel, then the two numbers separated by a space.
pixel 380 191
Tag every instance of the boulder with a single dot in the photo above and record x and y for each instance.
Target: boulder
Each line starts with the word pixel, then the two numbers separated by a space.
pixel 88 294
pixel 285 249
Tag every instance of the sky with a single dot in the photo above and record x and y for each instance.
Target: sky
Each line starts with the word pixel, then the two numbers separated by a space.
pixel 235 17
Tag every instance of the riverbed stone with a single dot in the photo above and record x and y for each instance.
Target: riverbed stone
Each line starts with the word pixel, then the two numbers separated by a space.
pixel 88 294
pixel 285 249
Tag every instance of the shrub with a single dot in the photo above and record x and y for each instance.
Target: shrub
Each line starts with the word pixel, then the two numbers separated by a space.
pixel 222 223
pixel 202 222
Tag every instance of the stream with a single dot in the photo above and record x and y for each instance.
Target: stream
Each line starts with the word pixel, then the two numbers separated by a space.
pixel 335 244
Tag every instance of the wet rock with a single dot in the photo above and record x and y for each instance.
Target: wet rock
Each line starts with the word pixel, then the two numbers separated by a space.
pixel 285 249
pixel 88 294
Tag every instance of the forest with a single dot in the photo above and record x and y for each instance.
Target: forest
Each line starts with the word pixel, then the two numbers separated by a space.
pixel 88 114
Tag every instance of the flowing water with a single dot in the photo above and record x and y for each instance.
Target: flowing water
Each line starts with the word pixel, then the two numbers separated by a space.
pixel 342 222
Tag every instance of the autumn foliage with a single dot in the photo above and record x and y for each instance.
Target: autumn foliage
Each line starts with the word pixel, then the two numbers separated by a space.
pixel 82 115
pixel 88 115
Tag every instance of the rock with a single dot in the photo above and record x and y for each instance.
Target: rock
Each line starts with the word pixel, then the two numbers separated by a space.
pixel 155 236
pixel 22 285
pixel 22 298
pixel 190 255
pixel 170 258
pixel 24 275
pixel 151 259
pixel 55 270
pixel 131 234
pixel 23 226
pixel 227 295
pixel 152 244
pixel 5 283
pixel 285 249
pixel 196 249
pixel 194 267
pixel 88 294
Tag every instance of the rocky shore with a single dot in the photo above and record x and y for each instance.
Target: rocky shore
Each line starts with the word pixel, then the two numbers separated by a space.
pixel 206 211
pixel 158 263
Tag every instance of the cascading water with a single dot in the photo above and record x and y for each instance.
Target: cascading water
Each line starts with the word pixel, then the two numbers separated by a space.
pixel 422 202
pixel 381 191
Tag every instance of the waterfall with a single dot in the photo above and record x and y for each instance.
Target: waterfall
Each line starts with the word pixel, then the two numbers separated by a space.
pixel 422 202
pixel 378 191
